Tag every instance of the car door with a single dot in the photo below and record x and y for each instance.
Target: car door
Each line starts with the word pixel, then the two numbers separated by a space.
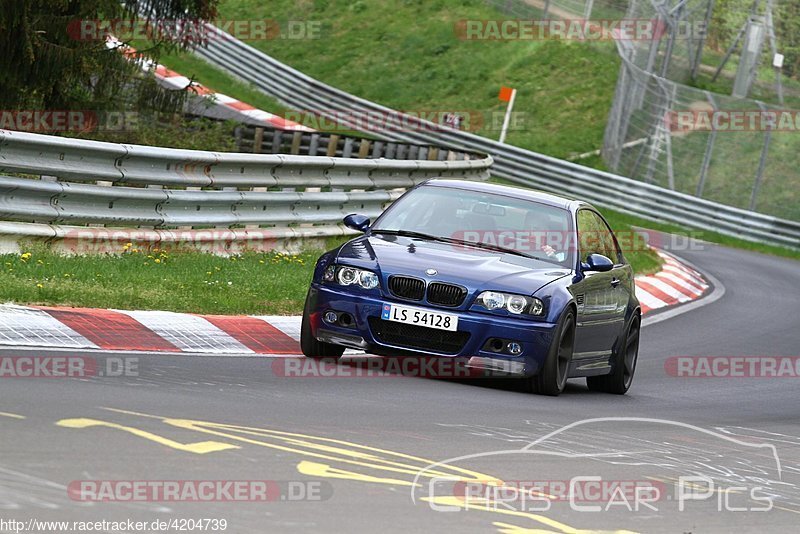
pixel 621 281
pixel 599 319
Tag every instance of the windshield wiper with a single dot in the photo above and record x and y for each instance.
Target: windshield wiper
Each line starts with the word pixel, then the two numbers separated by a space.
pixel 409 233
pixel 486 246
pixel 497 248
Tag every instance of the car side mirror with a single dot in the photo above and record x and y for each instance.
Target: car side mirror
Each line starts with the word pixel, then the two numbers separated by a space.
pixel 598 263
pixel 356 221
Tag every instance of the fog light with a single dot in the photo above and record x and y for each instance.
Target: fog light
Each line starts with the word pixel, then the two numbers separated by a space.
pixel 331 317
pixel 514 348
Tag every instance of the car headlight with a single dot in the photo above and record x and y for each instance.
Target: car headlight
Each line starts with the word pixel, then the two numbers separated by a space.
pixel 367 279
pixel 348 276
pixel 515 304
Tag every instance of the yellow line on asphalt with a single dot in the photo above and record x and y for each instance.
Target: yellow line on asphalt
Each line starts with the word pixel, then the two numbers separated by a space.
pixel 323 448
pixel 380 460
pixel 203 447
pixel 492 507
pixel 11 415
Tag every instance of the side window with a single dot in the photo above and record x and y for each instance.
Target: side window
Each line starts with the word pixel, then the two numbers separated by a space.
pixel 594 236
pixel 610 244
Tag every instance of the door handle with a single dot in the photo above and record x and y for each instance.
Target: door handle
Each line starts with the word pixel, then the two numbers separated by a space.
pixel 614 282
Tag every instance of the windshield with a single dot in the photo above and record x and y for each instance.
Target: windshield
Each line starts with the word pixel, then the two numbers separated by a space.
pixel 487 220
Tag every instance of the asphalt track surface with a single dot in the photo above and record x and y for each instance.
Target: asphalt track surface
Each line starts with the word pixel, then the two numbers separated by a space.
pixel 357 445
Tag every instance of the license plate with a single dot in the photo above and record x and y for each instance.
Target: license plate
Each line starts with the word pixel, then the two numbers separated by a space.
pixel 419 317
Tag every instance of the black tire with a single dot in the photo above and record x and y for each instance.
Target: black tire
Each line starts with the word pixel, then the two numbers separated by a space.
pixel 313 348
pixel 624 365
pixel 552 378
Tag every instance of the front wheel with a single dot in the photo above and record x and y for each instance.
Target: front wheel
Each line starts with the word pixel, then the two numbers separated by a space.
pixel 623 366
pixel 311 347
pixel 552 378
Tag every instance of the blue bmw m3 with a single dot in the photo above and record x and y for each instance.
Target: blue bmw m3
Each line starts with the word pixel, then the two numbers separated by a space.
pixel 511 280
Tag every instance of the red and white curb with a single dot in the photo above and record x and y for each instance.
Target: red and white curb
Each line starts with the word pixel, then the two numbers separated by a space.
pixel 675 284
pixel 227 107
pixel 159 331
pixel 147 331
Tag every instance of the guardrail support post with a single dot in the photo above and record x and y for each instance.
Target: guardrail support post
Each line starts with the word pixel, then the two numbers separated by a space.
pixel 333 143
pixel 363 149
pixel 277 140
pixel 313 145
pixel 347 150
pixel 258 140
pixel 296 138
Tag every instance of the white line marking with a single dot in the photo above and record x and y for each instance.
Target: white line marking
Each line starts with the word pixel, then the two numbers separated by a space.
pixel 691 289
pixel 680 273
pixel 717 293
pixel 649 300
pixel 20 325
pixel 668 289
pixel 288 324
pixel 188 332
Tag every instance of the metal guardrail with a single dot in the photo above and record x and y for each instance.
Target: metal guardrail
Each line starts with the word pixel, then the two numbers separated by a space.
pixel 522 166
pixel 88 161
pixel 72 203
pixel 131 186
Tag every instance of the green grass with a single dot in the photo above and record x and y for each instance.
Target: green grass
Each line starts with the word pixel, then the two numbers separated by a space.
pixel 197 69
pixel 620 220
pixel 252 283
pixel 410 58
pixel 219 81
pixel 182 281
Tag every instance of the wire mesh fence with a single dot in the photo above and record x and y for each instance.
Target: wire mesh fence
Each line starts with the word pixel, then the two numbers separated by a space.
pixel 660 130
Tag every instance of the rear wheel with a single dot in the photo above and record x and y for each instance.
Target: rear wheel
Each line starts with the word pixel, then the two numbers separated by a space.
pixel 623 366
pixel 552 378
pixel 313 348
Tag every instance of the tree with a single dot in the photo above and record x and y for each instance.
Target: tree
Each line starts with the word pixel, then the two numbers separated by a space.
pixel 45 63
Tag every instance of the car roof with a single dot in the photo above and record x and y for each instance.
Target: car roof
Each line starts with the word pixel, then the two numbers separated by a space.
pixel 516 192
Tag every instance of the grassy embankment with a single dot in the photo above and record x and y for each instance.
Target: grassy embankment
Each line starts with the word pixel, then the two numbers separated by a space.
pixel 408 57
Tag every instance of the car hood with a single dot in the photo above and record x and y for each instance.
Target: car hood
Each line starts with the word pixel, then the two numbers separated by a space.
pixel 475 268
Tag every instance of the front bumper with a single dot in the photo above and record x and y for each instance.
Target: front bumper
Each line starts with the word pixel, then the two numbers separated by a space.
pixel 534 337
